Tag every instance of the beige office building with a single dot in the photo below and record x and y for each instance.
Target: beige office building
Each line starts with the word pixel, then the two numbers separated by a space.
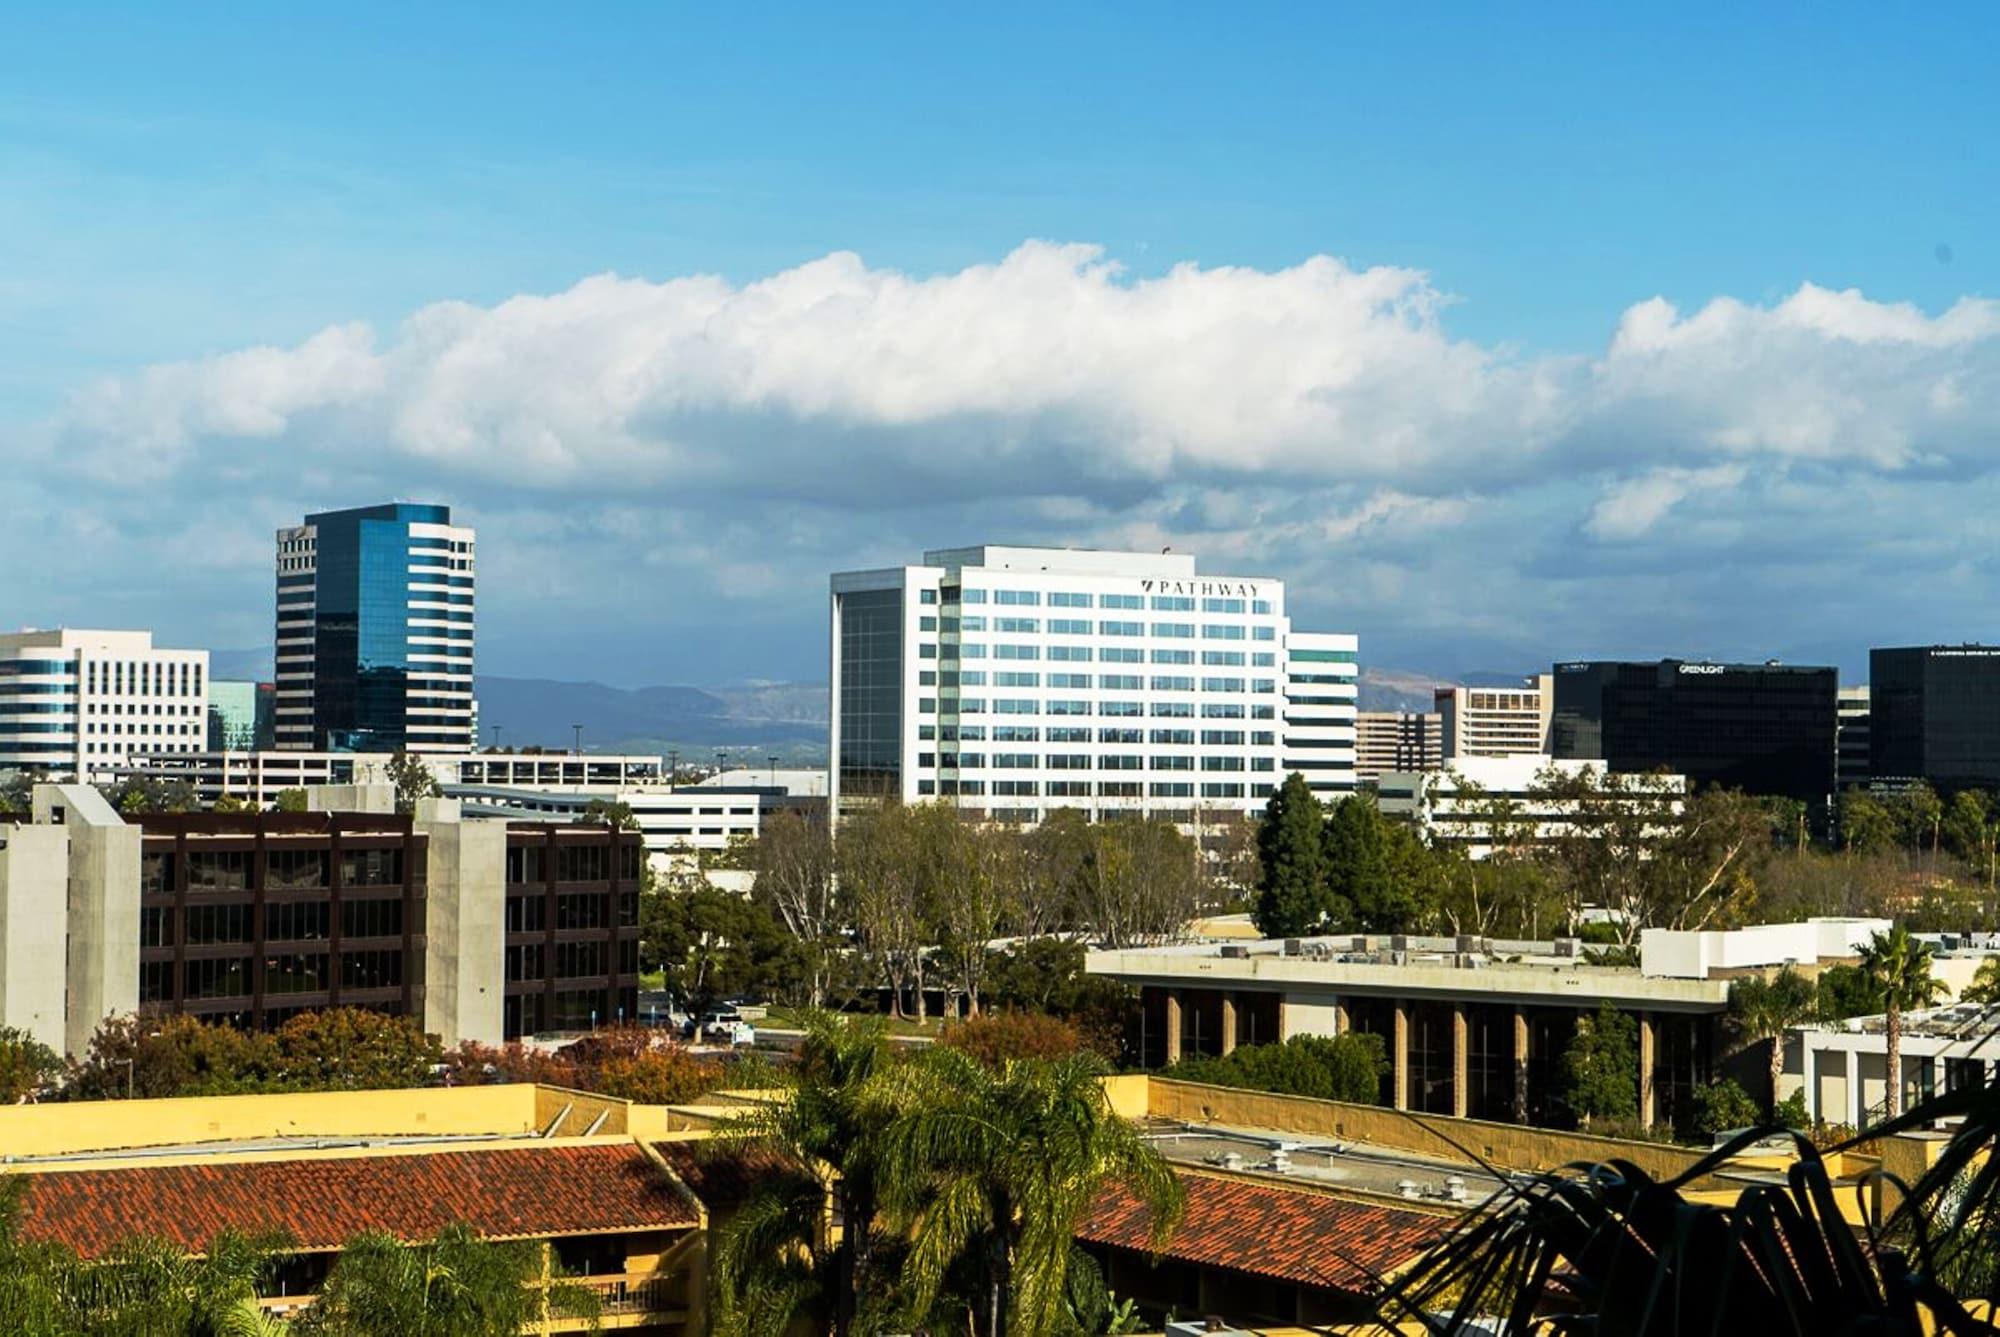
pixel 1496 721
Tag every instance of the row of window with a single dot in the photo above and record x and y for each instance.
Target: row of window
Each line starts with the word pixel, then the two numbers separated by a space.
pixel 284 870
pixel 1068 789
pixel 1161 603
pixel 1028 733
pixel 284 973
pixel 1217 710
pixel 1082 761
pixel 593 862
pixel 573 910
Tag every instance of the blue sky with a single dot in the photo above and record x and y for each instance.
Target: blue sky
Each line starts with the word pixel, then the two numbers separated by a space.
pixel 1459 441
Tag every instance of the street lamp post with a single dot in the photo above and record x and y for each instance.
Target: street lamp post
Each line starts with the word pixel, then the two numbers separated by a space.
pixel 576 736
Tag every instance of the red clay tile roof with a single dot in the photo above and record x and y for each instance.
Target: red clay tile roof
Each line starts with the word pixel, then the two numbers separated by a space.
pixel 722 1176
pixel 518 1192
pixel 1287 1234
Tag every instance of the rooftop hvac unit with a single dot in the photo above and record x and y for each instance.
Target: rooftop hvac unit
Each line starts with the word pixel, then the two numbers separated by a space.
pixel 1293 946
pixel 1399 942
pixel 1469 942
pixel 1235 951
pixel 1571 947
pixel 1454 1188
pixel 1408 1188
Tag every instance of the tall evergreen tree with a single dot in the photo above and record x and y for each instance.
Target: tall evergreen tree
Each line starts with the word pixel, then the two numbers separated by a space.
pixel 1361 874
pixel 1292 896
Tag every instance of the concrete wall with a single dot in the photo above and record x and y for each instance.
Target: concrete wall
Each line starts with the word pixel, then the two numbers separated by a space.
pixel 465 966
pixel 578 1110
pixel 34 875
pixel 1509 1146
pixel 1308 1014
pixel 102 901
pixel 1694 954
pixel 377 798
pixel 101 1125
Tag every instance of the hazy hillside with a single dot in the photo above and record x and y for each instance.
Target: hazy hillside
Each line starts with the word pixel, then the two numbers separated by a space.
pixel 782 718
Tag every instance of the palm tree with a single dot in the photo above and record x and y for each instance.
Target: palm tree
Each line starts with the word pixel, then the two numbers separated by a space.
pixel 993 1172
pixel 1604 1248
pixel 457 1285
pixel 1901 967
pixel 1765 1010
pixel 824 1127
pixel 140 1287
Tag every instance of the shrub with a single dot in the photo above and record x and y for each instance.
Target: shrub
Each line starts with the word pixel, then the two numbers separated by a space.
pixel 27 1066
pixel 994 1038
pixel 1341 1067
pixel 475 1064
pixel 664 1076
pixel 1723 1106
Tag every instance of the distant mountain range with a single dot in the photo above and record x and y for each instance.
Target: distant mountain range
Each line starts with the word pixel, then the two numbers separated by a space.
pixel 1407 689
pixel 751 721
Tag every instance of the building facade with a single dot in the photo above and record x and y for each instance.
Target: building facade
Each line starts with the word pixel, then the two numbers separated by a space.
pixel 1483 803
pixel 1016 681
pixel 1766 729
pixel 1853 767
pixel 1472 1027
pixel 1389 741
pixel 78 704
pixel 483 930
pixel 260 777
pixel 240 716
pixel 1320 686
pixel 375 631
pixel 1934 715
pixel 1496 721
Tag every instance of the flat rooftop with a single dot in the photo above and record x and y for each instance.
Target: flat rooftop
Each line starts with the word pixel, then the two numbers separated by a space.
pixel 1410 966
pixel 1297 1159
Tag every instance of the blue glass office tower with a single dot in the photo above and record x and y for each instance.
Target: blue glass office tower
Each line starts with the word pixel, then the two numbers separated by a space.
pixel 375 631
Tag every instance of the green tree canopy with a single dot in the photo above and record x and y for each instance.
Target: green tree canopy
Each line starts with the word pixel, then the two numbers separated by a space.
pixel 1293 896
pixel 1601 1066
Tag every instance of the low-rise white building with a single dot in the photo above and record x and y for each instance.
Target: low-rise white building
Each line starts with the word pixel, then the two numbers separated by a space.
pixel 1843 1067
pixel 1484 802
pixel 259 777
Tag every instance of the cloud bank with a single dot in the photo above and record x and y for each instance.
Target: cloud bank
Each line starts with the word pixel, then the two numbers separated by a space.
pixel 1319 420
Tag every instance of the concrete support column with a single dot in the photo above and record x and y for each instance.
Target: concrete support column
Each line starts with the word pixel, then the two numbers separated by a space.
pixel 1646 1102
pixel 1399 1073
pixel 1461 1062
pixel 1173 1026
pixel 1809 1074
pixel 1228 1023
pixel 1520 1066
pixel 1854 1106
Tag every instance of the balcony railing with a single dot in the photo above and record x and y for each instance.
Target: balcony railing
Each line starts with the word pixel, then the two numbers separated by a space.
pixel 618 1293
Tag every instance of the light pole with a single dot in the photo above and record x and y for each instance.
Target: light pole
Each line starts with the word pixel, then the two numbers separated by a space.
pixel 774 770
pixel 496 738
pixel 673 771
pixel 576 735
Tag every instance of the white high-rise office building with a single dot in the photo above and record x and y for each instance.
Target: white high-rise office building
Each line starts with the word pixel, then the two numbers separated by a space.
pixel 1016 681
pixel 375 631
pixel 1497 721
pixel 1320 686
pixel 80 704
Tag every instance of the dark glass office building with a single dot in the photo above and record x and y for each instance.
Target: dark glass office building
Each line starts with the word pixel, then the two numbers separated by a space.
pixel 375 631
pixel 253 918
pixel 1762 728
pixel 1935 715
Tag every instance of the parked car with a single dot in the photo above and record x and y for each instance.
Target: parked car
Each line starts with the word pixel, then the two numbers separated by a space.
pixel 722 1027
